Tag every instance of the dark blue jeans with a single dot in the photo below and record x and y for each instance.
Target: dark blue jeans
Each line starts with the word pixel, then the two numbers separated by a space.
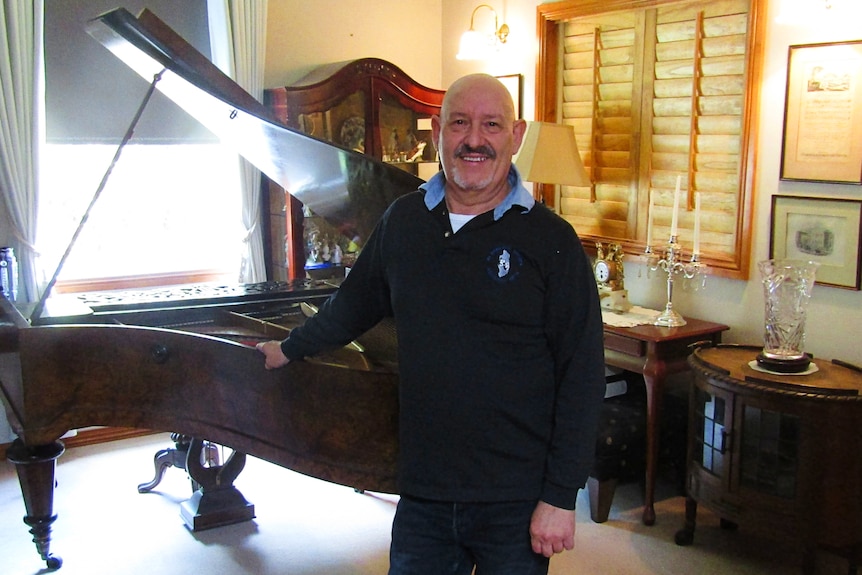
pixel 436 538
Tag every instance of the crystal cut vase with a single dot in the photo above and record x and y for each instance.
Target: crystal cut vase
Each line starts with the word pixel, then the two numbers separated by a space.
pixel 787 286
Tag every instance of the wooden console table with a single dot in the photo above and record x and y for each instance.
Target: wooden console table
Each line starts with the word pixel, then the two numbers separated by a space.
pixel 656 352
pixel 777 453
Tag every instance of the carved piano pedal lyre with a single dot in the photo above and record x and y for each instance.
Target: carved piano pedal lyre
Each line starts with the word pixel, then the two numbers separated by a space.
pixel 215 501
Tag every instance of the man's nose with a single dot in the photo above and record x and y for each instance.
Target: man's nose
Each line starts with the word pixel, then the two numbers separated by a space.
pixel 474 136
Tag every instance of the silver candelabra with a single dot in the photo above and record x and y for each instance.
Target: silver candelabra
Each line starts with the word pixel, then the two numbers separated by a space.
pixel 672 263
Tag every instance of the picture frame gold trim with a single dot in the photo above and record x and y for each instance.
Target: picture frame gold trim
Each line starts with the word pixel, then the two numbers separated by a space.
pixel 823 113
pixel 822 230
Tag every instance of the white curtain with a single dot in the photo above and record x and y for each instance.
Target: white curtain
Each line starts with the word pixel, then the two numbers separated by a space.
pixel 21 86
pixel 243 23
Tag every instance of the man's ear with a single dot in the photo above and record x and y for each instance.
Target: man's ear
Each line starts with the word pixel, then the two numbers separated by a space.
pixel 435 131
pixel 519 128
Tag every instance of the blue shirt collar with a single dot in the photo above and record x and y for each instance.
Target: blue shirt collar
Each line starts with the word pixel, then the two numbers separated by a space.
pixel 518 194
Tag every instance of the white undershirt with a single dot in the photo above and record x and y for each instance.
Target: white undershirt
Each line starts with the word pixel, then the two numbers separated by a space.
pixel 457 221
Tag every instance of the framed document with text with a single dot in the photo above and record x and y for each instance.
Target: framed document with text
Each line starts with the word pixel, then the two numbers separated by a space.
pixel 823 113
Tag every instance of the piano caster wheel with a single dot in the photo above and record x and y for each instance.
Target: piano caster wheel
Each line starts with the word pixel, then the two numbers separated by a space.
pixel 53 562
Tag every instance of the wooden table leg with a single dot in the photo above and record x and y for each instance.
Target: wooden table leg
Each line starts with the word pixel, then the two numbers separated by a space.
pixel 35 467
pixel 654 373
pixel 655 352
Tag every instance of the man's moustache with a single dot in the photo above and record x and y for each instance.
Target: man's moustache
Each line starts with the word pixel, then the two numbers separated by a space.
pixel 484 150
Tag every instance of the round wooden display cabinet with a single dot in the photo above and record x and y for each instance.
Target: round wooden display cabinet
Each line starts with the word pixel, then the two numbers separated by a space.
pixel 776 453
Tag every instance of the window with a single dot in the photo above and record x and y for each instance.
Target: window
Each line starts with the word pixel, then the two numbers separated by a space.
pixel 657 93
pixel 166 209
pixel 172 204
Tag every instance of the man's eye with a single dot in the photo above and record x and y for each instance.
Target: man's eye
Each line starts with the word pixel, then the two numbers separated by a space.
pixel 458 125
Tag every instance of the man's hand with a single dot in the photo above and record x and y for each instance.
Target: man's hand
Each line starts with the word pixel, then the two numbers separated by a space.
pixel 274 357
pixel 552 529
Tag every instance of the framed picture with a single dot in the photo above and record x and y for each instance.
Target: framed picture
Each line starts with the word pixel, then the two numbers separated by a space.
pixel 513 83
pixel 823 113
pixel 823 230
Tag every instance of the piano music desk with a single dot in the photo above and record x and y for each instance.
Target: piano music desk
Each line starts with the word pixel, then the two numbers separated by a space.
pixel 656 352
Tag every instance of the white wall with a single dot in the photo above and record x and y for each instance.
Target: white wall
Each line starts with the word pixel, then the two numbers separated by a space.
pixel 519 54
pixel 835 315
pixel 302 35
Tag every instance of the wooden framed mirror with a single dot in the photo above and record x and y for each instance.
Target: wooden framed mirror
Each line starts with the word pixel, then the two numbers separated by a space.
pixel 656 90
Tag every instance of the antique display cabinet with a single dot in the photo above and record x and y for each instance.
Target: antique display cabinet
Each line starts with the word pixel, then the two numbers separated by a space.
pixel 366 105
pixel 777 453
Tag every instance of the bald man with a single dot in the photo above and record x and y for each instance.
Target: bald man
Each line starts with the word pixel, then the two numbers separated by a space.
pixel 501 362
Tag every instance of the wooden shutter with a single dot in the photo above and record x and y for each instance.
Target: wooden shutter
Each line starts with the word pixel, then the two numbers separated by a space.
pixel 602 100
pixel 698 105
pixel 655 93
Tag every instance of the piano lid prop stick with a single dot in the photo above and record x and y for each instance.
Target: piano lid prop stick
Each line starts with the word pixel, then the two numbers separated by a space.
pixel 40 307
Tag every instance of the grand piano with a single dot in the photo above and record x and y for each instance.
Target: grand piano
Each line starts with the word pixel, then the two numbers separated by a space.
pixel 188 365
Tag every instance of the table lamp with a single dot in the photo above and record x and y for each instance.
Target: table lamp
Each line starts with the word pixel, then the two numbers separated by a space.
pixel 549 155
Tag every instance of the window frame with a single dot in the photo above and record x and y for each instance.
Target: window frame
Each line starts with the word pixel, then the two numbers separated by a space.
pixel 551 18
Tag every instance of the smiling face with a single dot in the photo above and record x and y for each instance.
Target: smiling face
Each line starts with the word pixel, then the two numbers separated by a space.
pixel 476 136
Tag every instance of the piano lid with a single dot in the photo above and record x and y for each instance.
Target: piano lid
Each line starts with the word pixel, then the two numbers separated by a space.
pixel 348 189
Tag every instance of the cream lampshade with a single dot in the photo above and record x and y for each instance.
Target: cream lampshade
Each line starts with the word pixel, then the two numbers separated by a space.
pixel 549 155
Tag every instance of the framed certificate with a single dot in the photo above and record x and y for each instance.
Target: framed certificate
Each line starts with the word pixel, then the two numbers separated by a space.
pixel 823 113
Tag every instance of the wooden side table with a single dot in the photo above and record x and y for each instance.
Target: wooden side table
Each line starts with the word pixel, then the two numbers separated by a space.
pixel 777 453
pixel 656 352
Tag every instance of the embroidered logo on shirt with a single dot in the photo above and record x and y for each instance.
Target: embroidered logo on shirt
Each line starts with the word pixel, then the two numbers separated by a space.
pixel 503 264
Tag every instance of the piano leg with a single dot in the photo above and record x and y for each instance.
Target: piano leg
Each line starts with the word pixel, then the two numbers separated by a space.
pixel 35 467
pixel 218 502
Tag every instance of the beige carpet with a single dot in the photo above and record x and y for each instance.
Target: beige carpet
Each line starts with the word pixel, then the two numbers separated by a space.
pixel 306 526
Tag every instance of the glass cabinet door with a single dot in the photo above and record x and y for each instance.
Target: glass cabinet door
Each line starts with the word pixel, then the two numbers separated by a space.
pixel 342 124
pixel 712 427
pixel 404 136
pixel 763 443
pixel 769 450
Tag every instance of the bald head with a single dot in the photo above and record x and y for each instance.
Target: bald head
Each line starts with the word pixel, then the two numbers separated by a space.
pixel 484 84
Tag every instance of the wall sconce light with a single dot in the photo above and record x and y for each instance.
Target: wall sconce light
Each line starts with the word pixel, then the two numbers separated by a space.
pixel 478 46
pixel 549 155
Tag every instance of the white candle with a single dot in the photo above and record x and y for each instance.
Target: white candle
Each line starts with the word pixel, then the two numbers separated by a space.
pixel 649 222
pixel 675 217
pixel 696 249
